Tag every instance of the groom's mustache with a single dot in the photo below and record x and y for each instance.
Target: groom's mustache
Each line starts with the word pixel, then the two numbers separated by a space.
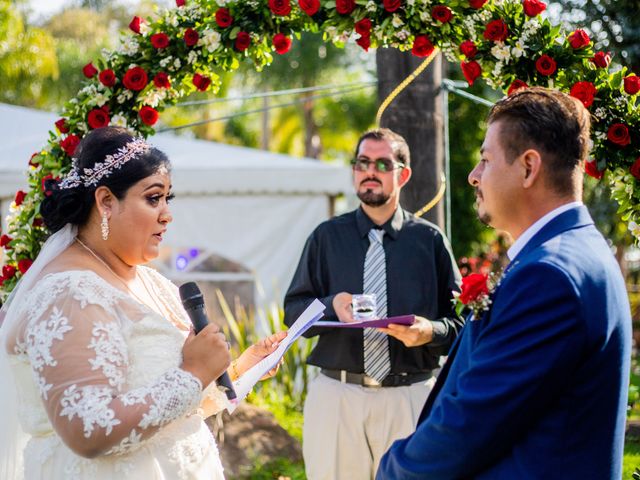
pixel 479 193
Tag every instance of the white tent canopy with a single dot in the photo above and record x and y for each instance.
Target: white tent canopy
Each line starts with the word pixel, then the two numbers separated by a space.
pixel 248 206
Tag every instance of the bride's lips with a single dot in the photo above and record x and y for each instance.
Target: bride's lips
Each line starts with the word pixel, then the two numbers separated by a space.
pixel 159 235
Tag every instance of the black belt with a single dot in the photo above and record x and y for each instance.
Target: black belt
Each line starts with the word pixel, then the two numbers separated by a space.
pixel 391 380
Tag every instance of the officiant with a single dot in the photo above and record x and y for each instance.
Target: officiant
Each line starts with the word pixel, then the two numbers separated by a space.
pixel 373 382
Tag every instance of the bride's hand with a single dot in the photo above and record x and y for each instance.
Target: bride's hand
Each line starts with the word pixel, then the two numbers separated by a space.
pixel 257 352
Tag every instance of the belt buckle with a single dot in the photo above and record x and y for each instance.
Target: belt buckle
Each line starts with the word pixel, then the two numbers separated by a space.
pixel 368 381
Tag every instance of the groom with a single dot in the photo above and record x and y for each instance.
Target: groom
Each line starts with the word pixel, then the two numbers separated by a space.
pixel 536 387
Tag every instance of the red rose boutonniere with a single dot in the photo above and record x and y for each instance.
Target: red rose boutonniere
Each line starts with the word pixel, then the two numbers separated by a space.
pixel 476 293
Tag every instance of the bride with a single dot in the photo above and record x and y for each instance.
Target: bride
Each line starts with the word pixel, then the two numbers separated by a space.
pixel 106 378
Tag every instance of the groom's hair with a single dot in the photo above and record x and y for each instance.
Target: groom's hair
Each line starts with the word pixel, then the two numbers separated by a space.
pixel 551 122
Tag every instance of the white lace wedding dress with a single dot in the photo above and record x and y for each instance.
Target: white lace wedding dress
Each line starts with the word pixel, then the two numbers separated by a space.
pixel 100 370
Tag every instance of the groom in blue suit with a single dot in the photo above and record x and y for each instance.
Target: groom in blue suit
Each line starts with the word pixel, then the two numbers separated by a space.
pixel 536 386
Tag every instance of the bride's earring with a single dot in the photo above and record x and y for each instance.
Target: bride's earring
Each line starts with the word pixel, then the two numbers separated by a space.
pixel 104 226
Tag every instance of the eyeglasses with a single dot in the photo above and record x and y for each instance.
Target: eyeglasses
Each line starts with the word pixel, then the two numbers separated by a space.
pixel 382 165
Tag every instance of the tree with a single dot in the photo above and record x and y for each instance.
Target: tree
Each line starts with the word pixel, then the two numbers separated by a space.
pixel 27 58
pixel 613 23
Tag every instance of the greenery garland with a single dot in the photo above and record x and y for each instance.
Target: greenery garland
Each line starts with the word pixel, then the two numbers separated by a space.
pixel 184 49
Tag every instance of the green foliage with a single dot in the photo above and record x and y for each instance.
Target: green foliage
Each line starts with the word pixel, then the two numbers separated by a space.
pixel 280 468
pixel 287 390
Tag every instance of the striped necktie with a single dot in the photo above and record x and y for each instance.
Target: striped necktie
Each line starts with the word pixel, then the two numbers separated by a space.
pixel 376 344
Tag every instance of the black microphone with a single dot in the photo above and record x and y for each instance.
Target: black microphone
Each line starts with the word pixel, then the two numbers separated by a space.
pixel 193 303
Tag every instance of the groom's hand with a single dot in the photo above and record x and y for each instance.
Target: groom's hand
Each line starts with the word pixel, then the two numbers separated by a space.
pixel 420 333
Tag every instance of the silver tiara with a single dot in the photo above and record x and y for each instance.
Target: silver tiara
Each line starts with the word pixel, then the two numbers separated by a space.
pixel 91 176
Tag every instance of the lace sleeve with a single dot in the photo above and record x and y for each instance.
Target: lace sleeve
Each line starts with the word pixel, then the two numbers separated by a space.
pixel 79 359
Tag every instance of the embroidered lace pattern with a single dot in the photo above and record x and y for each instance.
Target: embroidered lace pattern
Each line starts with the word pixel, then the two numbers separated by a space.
pixel 39 340
pixel 91 176
pixel 91 405
pixel 111 352
pixel 76 340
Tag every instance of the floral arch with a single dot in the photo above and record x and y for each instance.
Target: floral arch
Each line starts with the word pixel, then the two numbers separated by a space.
pixel 183 49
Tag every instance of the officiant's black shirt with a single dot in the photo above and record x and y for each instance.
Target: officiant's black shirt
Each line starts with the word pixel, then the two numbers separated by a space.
pixel 421 276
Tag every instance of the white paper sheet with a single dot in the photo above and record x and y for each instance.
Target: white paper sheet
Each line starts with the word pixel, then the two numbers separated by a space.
pixel 245 383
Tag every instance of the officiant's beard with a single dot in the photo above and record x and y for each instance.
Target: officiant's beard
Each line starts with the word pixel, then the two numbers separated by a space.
pixel 371 199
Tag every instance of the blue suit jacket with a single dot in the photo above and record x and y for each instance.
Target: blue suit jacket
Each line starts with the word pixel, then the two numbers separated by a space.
pixel 537 387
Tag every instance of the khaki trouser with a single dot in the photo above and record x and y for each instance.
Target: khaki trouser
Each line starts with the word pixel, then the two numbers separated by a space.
pixel 347 428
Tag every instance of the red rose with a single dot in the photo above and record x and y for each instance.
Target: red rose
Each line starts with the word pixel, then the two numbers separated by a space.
pixel 4 242
pixel 32 161
pixel 98 118
pixel 363 27
pixel 135 79
pixel 422 46
pixel 345 7
pixel 223 18
pixel 585 92
pixel 632 84
pixel 546 65
pixel 107 77
pixel 191 37
pixel 281 43
pixel 310 7
pixel 533 7
pixel 135 24
pixel 69 144
pixel 591 169
pixel 89 70
pixel 201 82
pixel 496 31
pixel 24 265
pixel 618 133
pixel 62 127
pixel 20 195
pixel 8 271
pixel 477 4
pixel 468 49
pixel 281 8
pixel 180 3
pixel 243 40
pixel 516 85
pixel 579 39
pixel 471 70
pixel 38 222
pixel 161 80
pixel 635 168
pixel 473 287
pixel 602 59
pixel 391 5
pixel 148 115
pixel 364 41
pixel 441 13
pixel 160 40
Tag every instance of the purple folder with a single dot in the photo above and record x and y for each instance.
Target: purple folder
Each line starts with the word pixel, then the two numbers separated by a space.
pixel 376 323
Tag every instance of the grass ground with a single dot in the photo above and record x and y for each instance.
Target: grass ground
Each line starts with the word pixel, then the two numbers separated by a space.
pixel 631 457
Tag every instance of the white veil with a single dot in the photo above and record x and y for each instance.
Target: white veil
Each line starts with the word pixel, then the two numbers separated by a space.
pixel 12 438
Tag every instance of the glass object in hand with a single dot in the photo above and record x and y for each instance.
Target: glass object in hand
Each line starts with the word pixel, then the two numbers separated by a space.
pixel 364 307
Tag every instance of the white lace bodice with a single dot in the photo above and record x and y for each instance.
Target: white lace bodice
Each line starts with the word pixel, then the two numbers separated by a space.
pixel 100 371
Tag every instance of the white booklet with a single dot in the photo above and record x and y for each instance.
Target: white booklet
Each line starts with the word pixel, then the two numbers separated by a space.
pixel 245 383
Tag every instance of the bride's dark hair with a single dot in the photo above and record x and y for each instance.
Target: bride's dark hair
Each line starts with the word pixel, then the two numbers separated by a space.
pixel 73 205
